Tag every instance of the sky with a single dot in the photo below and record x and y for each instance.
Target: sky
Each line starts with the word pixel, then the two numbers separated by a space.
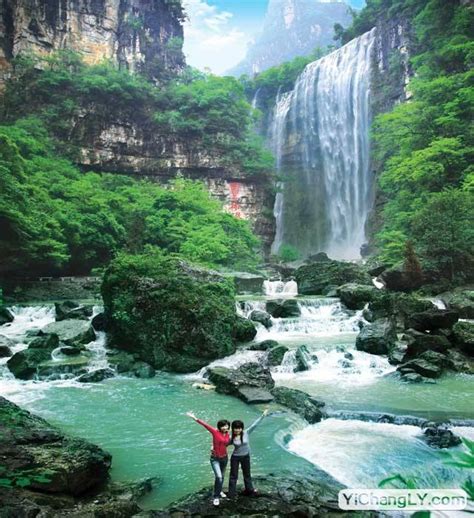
pixel 218 32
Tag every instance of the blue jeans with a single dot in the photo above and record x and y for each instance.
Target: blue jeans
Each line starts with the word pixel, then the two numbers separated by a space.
pixel 218 465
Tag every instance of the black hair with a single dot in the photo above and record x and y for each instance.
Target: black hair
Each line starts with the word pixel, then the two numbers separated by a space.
pixel 237 424
pixel 222 423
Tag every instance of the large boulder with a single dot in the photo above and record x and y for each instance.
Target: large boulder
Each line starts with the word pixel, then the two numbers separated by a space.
pixel 461 300
pixel 301 403
pixel 71 332
pixel 96 376
pixel 317 277
pixel 244 330
pixel 285 308
pixel 24 364
pixel 275 356
pixel 6 346
pixel 6 316
pixel 302 357
pixel 251 382
pixel 430 364
pixel 397 278
pixel 356 296
pixel 463 334
pixel 433 319
pixel 170 314
pixel 440 437
pixel 247 282
pixel 379 337
pixel 99 322
pixel 418 343
pixel 290 494
pixel 261 316
pixel 70 310
pixel 41 458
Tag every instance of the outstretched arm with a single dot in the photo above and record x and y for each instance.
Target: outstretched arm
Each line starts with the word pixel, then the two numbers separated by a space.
pixel 201 422
pixel 257 421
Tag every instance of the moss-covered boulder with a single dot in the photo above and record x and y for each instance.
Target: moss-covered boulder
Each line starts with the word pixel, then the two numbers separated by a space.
pixel 317 277
pixel 276 354
pixel 378 337
pixel 39 457
pixel 464 337
pixel 356 296
pixel 284 308
pixel 266 345
pixel 461 300
pixel 244 330
pixel 6 315
pixel 172 315
pixel 433 319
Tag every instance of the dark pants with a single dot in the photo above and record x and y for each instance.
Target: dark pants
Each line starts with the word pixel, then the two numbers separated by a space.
pixel 244 461
pixel 218 465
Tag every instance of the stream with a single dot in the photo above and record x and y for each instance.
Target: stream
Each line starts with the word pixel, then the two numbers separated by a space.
pixel 142 422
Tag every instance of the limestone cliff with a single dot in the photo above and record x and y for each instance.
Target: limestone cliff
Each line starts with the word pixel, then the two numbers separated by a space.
pixel 140 35
pixel 144 37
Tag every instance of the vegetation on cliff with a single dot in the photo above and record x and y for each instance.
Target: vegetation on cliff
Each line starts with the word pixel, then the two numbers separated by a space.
pixel 424 147
pixel 175 316
pixel 73 100
pixel 57 219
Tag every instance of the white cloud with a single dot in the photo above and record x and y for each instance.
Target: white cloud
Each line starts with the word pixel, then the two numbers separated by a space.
pixel 210 39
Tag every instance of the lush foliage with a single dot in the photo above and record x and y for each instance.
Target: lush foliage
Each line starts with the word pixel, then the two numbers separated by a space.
pixel 55 218
pixel 279 78
pixel 425 147
pixel 73 100
pixel 172 315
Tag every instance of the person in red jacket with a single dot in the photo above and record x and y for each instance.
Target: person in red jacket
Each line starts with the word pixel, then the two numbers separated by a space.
pixel 219 459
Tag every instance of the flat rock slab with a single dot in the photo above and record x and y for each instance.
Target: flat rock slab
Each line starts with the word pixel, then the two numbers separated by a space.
pixel 71 332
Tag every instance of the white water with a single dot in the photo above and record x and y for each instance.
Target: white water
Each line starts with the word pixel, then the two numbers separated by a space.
pixel 322 126
pixel 372 450
pixel 33 318
pixel 280 288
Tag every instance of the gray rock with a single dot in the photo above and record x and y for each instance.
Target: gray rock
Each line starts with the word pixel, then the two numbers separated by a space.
pixel 461 300
pixel 99 322
pixel 429 364
pixel 70 350
pixel 71 332
pixel 275 355
pixel 24 364
pixel 301 403
pixel 237 382
pixel 356 296
pixel 433 319
pixel 244 330
pixel 6 316
pixel 5 351
pixel 302 358
pixel 143 370
pixel 96 376
pixel 68 310
pixel 263 346
pixel 68 368
pixel 261 316
pixel 463 334
pixel 247 282
pixel 438 437
pixel 378 337
pixel 6 346
pixel 254 395
pixel 49 342
pixel 418 343
pixel 283 308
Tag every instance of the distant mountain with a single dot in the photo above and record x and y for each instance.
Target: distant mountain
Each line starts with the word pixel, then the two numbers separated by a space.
pixel 293 28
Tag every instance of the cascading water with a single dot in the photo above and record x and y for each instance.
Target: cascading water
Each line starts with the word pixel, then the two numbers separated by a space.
pixel 320 136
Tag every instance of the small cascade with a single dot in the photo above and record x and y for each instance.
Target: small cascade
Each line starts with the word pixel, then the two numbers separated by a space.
pixel 319 317
pixel 438 303
pixel 245 308
pixel 280 288
pixel 332 365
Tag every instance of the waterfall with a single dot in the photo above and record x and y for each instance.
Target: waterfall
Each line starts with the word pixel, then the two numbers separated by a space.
pixel 320 137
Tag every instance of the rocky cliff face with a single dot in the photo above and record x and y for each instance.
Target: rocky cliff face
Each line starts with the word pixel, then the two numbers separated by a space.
pixel 145 37
pixel 293 28
pixel 139 35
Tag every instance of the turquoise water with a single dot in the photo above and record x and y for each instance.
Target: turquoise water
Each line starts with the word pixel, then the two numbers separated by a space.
pixel 142 423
